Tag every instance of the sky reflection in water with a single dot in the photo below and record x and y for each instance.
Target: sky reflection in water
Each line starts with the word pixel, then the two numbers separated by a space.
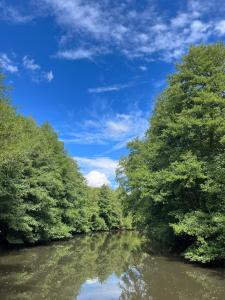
pixel 103 267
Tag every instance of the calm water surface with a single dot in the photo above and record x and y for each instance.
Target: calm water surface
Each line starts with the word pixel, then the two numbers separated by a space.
pixel 103 267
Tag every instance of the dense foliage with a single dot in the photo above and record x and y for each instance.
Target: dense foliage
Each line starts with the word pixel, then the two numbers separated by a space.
pixel 43 195
pixel 174 178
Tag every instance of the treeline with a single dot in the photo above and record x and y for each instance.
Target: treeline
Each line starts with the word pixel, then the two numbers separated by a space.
pixel 174 179
pixel 43 195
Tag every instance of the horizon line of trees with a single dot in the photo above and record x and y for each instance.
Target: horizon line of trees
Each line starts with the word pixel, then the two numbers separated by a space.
pixel 43 195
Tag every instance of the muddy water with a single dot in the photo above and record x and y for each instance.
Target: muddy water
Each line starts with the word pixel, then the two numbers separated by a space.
pixel 103 267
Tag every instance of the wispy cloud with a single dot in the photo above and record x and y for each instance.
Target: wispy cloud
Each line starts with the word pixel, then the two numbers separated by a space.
pixel 110 88
pixel 92 28
pixel 35 70
pixel 117 87
pixel 143 68
pixel 13 14
pixel 220 28
pixel 7 64
pixel 49 76
pixel 76 54
pixel 29 64
pixel 101 164
pixel 113 130
pixel 137 32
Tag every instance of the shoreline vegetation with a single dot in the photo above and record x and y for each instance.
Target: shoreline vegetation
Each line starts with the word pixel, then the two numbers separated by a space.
pixel 5 246
pixel 43 195
pixel 171 184
pixel 174 178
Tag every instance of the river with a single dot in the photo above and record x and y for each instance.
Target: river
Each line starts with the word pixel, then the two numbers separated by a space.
pixel 104 267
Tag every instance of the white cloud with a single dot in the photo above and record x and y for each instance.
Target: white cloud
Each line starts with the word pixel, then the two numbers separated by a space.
pixel 7 64
pixel 33 69
pixel 110 88
pixel 96 179
pixel 75 54
pixel 29 64
pixel 49 76
pixel 98 170
pixel 118 86
pixel 143 68
pixel 78 15
pixel 107 290
pixel 180 20
pixel 113 129
pixel 114 26
pixel 199 31
pixel 220 28
pixel 12 14
pixel 102 164
pixel 36 71
pixel 134 32
pixel 92 28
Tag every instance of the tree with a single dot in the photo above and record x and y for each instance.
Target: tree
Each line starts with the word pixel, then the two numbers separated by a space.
pixel 42 192
pixel 174 178
pixel 110 209
pixel 43 195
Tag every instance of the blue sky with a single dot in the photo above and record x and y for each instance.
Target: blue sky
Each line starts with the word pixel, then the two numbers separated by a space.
pixel 110 289
pixel 93 69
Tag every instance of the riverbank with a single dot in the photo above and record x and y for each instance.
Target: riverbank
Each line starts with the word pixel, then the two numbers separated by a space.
pixel 5 245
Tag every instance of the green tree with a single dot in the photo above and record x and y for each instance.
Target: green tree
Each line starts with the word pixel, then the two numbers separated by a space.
pixel 42 192
pixel 110 209
pixel 43 195
pixel 97 223
pixel 174 178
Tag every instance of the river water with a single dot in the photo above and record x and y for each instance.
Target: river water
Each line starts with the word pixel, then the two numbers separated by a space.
pixel 104 267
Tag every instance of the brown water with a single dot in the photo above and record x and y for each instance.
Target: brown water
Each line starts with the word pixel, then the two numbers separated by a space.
pixel 103 267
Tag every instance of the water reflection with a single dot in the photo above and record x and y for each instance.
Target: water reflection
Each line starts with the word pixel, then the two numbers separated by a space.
pixel 104 266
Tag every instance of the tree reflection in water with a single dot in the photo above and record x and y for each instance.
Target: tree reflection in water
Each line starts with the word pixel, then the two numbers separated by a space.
pixel 165 278
pixel 64 270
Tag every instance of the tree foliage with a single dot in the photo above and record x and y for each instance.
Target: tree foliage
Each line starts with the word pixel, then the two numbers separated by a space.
pixel 43 195
pixel 174 178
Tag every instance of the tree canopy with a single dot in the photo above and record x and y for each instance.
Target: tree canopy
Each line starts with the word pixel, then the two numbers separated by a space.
pixel 43 195
pixel 174 178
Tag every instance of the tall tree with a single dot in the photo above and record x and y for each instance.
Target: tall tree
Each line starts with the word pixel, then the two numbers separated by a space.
pixel 42 192
pixel 110 208
pixel 175 177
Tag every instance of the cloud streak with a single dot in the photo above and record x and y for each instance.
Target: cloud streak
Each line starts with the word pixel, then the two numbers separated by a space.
pixel 110 88
pixel 114 130
pixel 77 54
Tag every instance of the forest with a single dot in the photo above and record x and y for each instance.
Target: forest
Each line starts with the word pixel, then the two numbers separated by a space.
pixel 174 178
pixel 43 195
pixel 171 184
